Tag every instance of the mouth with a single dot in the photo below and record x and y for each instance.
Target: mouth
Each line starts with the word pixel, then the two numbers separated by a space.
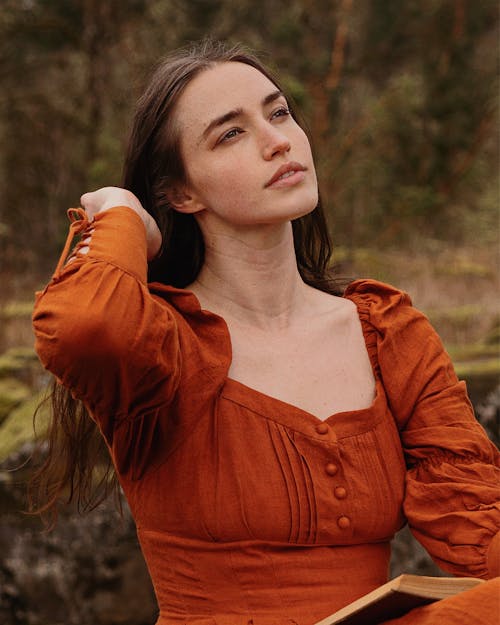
pixel 288 174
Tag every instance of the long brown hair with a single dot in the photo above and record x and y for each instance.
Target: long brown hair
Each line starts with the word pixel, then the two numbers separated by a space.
pixel 153 162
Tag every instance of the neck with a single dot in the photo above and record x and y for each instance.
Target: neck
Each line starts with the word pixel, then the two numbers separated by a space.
pixel 251 277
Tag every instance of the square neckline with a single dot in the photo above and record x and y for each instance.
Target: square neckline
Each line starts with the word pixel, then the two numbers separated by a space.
pixel 248 396
pixel 353 422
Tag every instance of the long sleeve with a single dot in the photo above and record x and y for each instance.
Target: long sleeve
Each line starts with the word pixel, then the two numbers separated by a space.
pixel 100 331
pixel 453 478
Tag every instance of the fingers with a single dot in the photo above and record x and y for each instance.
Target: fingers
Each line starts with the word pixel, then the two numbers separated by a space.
pixel 108 197
pixel 154 238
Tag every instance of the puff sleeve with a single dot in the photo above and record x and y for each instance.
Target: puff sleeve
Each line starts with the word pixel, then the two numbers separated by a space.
pixel 99 330
pixel 453 478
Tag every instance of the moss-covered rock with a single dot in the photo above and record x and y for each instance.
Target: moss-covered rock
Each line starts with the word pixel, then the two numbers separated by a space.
pixel 15 324
pixel 15 310
pixel 17 360
pixel 17 428
pixel 12 393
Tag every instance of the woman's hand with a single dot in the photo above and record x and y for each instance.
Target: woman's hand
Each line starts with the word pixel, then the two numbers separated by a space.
pixel 108 197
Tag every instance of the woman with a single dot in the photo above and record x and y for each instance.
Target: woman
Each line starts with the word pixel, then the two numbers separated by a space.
pixel 270 435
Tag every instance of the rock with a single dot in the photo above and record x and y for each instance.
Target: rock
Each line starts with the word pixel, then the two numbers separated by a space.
pixel 481 377
pixel 88 570
pixel 17 428
pixel 18 361
pixel 488 414
pixel 12 393
pixel 408 556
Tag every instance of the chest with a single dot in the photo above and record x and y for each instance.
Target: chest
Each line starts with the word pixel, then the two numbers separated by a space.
pixel 255 468
pixel 322 368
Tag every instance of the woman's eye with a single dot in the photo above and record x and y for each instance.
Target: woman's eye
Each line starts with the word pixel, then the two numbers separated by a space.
pixel 230 134
pixel 281 112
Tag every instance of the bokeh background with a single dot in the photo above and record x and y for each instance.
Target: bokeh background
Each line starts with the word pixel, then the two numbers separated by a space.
pixel 401 97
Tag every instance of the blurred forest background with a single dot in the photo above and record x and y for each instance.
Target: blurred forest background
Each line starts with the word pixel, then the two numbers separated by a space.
pixel 401 97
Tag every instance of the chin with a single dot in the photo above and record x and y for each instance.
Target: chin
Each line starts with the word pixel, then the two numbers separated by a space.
pixel 306 206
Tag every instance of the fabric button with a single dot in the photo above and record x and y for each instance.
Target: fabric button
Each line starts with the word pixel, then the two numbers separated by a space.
pixel 322 428
pixel 331 468
pixel 340 493
pixel 344 522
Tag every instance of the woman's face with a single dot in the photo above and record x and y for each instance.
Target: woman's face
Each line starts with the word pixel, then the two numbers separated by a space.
pixel 247 161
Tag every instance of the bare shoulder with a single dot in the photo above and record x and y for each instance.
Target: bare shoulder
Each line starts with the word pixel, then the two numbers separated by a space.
pixel 327 304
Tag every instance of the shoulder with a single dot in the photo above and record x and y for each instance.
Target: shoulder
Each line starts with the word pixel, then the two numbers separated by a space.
pixel 410 356
pixel 327 306
pixel 379 306
pixel 382 305
pixel 402 336
pixel 377 294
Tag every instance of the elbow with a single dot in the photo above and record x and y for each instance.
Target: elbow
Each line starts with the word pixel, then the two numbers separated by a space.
pixel 67 344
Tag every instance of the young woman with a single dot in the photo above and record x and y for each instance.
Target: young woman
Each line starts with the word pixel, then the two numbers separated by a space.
pixel 270 434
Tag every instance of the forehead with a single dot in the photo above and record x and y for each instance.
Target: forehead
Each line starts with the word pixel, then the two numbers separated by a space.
pixel 219 89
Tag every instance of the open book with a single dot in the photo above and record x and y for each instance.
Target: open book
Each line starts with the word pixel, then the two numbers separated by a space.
pixel 397 597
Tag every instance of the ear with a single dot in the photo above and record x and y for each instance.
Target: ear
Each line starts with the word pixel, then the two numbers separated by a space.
pixel 184 201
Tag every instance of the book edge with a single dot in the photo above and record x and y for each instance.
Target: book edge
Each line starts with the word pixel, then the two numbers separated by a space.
pixel 414 585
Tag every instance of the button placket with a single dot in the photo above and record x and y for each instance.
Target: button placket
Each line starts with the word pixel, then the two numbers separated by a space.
pixel 343 521
pixel 332 469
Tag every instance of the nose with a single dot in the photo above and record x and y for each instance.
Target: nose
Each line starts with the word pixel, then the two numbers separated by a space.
pixel 275 143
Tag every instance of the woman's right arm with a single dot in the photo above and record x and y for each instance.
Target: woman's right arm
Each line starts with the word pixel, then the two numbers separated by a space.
pixel 97 327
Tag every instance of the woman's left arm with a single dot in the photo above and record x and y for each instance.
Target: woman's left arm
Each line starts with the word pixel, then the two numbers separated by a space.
pixel 453 469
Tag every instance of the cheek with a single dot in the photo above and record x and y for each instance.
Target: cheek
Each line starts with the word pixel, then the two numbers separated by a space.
pixel 216 185
pixel 225 183
pixel 305 146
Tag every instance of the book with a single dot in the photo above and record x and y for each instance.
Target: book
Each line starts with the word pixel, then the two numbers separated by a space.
pixel 397 597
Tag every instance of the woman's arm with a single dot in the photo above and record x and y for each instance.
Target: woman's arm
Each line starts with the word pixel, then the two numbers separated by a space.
pixel 97 327
pixel 453 477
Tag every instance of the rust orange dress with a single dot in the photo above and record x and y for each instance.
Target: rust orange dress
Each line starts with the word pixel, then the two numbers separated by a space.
pixel 250 510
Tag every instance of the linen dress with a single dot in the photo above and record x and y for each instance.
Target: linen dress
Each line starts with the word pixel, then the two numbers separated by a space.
pixel 250 510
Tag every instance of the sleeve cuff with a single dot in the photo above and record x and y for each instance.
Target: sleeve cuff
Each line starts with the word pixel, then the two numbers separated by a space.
pixel 119 238
pixel 493 557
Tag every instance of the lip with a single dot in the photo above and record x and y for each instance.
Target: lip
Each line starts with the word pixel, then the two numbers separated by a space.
pixel 297 168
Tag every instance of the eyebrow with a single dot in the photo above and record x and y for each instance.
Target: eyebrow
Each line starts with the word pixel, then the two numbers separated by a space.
pixel 230 115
